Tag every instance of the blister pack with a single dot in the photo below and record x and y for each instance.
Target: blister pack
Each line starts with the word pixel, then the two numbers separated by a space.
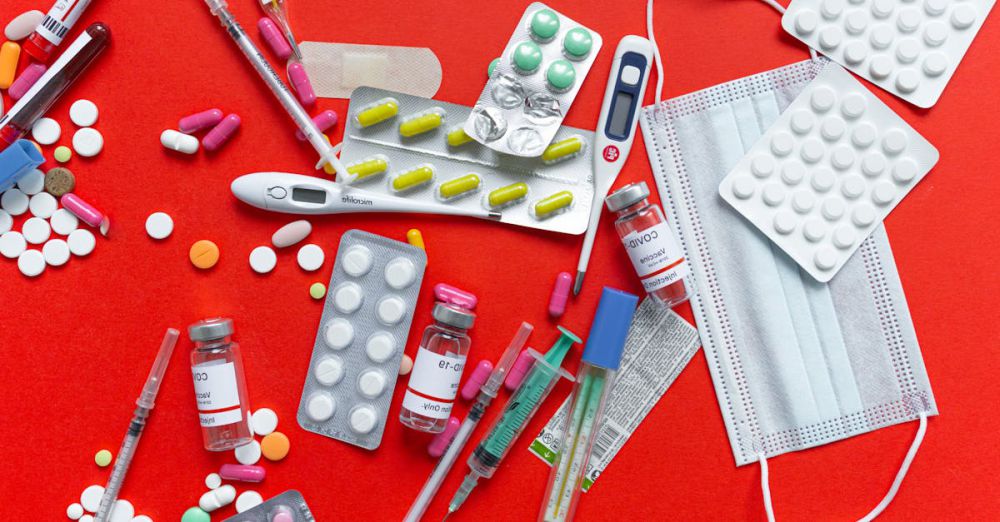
pixel 360 341
pixel 415 147
pixel 289 506
pixel 829 170
pixel 534 84
pixel 909 48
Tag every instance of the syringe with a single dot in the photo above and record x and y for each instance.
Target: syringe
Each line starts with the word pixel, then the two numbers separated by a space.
pixel 144 405
pixel 487 393
pixel 518 412
pixel 276 11
pixel 280 90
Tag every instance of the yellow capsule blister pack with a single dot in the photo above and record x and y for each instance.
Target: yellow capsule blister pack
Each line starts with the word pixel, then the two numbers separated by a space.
pixel 415 147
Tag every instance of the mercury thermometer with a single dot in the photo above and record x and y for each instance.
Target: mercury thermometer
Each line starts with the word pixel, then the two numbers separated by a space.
pixel 615 130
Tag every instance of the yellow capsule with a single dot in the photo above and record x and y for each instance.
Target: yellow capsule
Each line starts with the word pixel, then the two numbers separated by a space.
pixel 459 186
pixel 9 53
pixel 506 195
pixel 415 238
pixel 421 123
pixel 327 167
pixel 369 167
pixel 412 178
pixel 563 150
pixel 377 112
pixel 553 203
pixel 458 137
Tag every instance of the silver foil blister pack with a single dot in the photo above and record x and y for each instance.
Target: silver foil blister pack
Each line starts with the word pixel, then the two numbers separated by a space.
pixel 361 336
pixel 289 506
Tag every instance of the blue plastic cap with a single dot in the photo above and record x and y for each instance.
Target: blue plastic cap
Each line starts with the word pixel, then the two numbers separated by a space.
pixel 17 160
pixel 606 341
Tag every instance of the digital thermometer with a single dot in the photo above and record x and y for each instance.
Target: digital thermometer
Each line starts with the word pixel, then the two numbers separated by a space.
pixel 615 130
pixel 298 194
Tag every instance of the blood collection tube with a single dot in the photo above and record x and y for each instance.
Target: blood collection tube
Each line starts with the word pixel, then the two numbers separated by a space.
pixel 53 28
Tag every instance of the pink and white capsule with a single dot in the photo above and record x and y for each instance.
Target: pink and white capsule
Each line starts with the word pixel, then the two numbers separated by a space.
pixel 439 444
pixel 86 212
pixel 28 77
pixel 560 294
pixel 300 84
pixel 518 370
pixel 476 380
pixel 242 473
pixel 275 40
pixel 323 121
pixel 199 120
pixel 220 134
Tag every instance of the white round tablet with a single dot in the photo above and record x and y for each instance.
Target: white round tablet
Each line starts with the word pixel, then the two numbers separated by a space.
pixel 83 113
pixel 825 258
pixel 371 383
pixel 90 499
pixel 773 194
pixel 390 310
pixel 248 454
pixel 122 511
pixel 36 230
pixel 784 222
pixel 263 259
pixel 87 518
pixel 142 518
pixel 310 257
pixel 380 346
pixel 14 202
pixel 46 131
pixel 339 333
pixel 248 500
pixel 159 225
pixel 347 297
pixel 362 419
pixel 357 261
pixel 63 222
pixel 320 407
pixel 813 230
pixel 213 481
pixel 74 511
pixel 329 370
pixel 5 221
pixel 400 273
pixel 81 242
pixel 88 142
pixel 43 205
pixel 55 252
pixel 265 421
pixel 12 244
pixel 744 187
pixel 32 183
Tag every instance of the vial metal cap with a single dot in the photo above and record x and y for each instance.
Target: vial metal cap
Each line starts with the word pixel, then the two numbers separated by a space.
pixel 211 329
pixel 453 316
pixel 627 196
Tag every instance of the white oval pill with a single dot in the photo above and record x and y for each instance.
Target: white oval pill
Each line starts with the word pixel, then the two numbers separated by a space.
pixel 863 215
pixel 390 310
pixel 83 113
pixel 347 297
pixel 32 183
pixel 218 497
pixel 12 244
pixel 357 261
pixel 263 259
pixel 264 421
pixel 823 179
pixel 784 222
pixel 63 222
pixel 43 205
pixel 31 263
pixel 380 346
pixel 213 481
pixel 813 229
pixel 5 221
pixel 46 131
pixel 91 497
pixel 14 202
pixel 400 273
pixel 36 230
pixel 74 511
pixel 793 172
pixel 159 225
pixel 310 257
pixel 320 407
pixel 56 252
pixel 339 333
pixel 905 170
pixel 122 511
pixel 329 370
pixel 743 187
pixel 844 236
pixel 291 233
pixel 23 25
pixel 363 419
pixel 833 208
pixel 179 142
pixel 825 258
pixel 88 142
pixel 81 242
pixel 371 384
pixel 248 454
pixel 248 500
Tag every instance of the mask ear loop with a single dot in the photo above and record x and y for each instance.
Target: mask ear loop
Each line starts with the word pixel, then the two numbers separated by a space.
pixel 765 487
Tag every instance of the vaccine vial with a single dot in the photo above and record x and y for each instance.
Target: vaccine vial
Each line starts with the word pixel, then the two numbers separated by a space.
pixel 655 253
pixel 219 385
pixel 437 369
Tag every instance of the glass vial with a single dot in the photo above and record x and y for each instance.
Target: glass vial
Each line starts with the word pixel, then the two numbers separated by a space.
pixel 219 385
pixel 655 253
pixel 437 369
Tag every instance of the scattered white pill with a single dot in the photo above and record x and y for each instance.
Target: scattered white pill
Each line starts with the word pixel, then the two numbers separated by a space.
pixel 390 310
pixel 36 230
pixel 371 384
pixel 31 263
pixel 88 142
pixel 14 202
pixel 63 222
pixel 339 333
pixel 87 518
pixel 265 421
pixel 248 454
pixel 23 25
pixel 90 499
pixel 81 242
pixel 310 257
pixel 291 233
pixel 362 419
pixel 217 498
pixel 179 142
pixel 320 407
pixel 248 500
pixel 347 298
pixel 213 481
pixel 12 244
pixel 357 261
pixel 55 252
pixel 46 131
pixel 5 221
pixel 74 511
pixel 329 371
pixel 32 183
pixel 43 205
pixel 263 259
pixel 142 518
pixel 400 273
pixel 122 511
pixel 159 225
pixel 83 113
pixel 380 347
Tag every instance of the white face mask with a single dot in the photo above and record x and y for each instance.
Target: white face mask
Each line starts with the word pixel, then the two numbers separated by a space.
pixel 795 363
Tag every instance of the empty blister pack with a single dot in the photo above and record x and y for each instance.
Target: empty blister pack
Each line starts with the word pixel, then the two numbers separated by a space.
pixel 828 171
pixel 289 506
pixel 907 47
pixel 362 332
pixel 533 85
pixel 415 147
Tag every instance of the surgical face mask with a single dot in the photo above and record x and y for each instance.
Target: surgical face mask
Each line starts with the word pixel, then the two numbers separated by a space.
pixel 795 363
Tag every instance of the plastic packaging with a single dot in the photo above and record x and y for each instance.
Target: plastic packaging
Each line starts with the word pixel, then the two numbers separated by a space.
pixel 289 506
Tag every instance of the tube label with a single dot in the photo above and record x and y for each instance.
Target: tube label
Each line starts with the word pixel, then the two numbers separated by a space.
pixel 217 394
pixel 60 19
pixel 656 256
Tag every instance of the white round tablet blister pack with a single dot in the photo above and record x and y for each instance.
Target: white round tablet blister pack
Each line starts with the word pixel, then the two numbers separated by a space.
pixel 400 273
pixel 348 297
pixel 339 333
pixel 371 383
pixel 362 419
pixel 329 370
pixel 159 225
pixel 357 261
pixel 310 257
pixel 83 113
pixel 390 310
pixel 380 346
pixel 263 259
pixel 320 407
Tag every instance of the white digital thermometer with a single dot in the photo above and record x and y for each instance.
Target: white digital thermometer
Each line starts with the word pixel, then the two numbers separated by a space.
pixel 298 194
pixel 615 130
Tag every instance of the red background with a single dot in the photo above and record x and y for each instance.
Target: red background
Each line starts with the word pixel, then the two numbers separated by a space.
pixel 77 341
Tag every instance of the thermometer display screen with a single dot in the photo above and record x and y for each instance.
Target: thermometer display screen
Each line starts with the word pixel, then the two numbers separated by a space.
pixel 309 195
pixel 618 124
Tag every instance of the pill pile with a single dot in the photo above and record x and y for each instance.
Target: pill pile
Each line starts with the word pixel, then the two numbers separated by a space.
pixel 90 499
pixel 87 141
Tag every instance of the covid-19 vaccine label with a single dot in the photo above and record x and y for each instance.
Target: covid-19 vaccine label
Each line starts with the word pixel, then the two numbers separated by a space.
pixel 218 396
pixel 656 256
pixel 433 384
